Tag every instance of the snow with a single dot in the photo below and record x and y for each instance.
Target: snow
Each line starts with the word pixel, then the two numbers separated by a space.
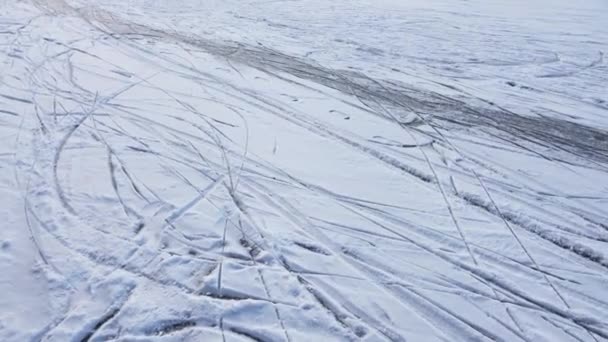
pixel 303 170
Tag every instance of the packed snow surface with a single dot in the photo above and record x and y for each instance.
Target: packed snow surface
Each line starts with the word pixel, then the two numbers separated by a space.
pixel 305 170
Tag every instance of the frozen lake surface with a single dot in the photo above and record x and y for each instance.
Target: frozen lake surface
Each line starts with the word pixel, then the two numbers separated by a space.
pixel 305 170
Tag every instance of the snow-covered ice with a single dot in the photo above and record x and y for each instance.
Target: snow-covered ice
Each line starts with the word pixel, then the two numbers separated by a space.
pixel 305 170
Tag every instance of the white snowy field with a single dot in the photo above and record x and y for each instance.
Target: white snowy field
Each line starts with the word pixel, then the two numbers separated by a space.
pixel 304 170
